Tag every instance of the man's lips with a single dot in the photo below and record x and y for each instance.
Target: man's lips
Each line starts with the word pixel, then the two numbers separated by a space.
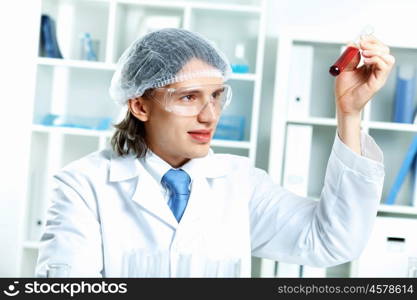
pixel 203 135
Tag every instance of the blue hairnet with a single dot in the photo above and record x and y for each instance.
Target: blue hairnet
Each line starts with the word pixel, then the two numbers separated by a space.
pixel 158 59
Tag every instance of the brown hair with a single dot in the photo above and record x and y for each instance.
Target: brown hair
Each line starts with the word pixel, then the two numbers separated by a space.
pixel 130 134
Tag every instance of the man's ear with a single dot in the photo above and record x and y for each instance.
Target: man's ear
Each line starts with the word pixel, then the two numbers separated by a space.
pixel 140 108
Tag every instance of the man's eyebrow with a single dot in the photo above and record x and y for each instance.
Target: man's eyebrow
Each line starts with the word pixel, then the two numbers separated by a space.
pixel 192 91
pixel 197 90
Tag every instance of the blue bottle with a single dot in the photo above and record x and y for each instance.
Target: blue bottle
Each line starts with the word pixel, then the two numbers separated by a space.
pixel 87 50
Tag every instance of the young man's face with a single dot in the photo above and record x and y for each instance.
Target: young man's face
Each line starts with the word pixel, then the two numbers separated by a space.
pixel 177 138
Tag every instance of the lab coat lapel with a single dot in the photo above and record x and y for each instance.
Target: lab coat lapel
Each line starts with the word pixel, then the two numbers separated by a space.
pixel 147 192
pixel 200 194
pixel 203 171
pixel 148 195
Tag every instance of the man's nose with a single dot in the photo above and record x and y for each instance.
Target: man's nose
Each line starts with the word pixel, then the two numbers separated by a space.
pixel 208 113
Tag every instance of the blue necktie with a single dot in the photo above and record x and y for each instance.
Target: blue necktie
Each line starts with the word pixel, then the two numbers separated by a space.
pixel 177 182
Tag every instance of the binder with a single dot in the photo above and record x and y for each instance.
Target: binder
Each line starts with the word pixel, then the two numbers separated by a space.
pixel 402 173
pixel 405 92
pixel 414 183
pixel 296 172
pixel 297 158
pixel 300 78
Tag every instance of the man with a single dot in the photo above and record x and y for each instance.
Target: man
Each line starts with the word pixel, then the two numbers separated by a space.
pixel 161 203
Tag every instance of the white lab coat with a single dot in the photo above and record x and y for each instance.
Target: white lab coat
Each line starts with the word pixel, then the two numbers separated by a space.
pixel 108 218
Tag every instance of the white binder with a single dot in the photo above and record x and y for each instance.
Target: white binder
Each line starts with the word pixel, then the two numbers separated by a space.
pixel 296 172
pixel 300 78
pixel 297 158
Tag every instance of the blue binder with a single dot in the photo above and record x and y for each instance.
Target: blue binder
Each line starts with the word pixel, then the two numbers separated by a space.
pixel 405 168
pixel 405 92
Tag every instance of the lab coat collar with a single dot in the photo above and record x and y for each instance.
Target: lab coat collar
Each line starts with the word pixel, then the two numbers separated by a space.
pixel 123 167
pixel 155 165
pixel 128 166
pixel 210 166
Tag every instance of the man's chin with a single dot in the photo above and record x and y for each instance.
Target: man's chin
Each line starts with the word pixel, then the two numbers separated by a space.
pixel 197 153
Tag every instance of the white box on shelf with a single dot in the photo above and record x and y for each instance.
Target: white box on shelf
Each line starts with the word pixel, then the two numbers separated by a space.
pixel 300 78
pixel 392 242
pixel 297 158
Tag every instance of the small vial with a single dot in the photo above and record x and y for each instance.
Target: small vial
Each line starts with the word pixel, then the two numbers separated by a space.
pixel 350 53
pixel 346 57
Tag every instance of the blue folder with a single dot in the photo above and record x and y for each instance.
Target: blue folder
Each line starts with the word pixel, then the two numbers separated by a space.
pixel 402 174
pixel 405 93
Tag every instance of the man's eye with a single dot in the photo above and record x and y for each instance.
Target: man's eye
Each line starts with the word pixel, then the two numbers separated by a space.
pixel 188 98
pixel 217 94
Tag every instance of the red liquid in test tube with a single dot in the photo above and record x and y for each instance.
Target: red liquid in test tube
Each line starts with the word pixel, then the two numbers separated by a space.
pixel 350 53
pixel 344 60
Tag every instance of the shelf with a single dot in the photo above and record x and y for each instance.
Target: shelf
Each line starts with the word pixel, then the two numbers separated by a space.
pixel 370 124
pixel 312 34
pixel 98 1
pixel 31 245
pixel 108 133
pixel 231 144
pixel 195 5
pixel 314 121
pixel 93 65
pixel 156 3
pixel 227 7
pixel 248 76
pixel 72 63
pixel 72 131
pixel 398 209
pixel 392 126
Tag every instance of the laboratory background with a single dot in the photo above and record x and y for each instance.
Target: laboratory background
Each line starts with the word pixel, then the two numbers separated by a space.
pixel 58 56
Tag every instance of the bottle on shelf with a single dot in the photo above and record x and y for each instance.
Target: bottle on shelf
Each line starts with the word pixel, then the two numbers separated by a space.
pixel 89 47
pixel 48 42
pixel 239 62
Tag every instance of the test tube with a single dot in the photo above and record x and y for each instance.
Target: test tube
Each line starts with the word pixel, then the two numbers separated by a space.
pixel 58 270
pixel 350 53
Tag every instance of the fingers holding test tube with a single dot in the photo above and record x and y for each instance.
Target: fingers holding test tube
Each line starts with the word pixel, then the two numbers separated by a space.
pixel 378 57
pixel 356 84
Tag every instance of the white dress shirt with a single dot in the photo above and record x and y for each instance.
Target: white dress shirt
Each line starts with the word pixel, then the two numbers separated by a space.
pixel 157 167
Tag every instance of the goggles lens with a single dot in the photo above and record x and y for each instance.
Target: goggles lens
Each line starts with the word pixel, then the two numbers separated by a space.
pixel 190 101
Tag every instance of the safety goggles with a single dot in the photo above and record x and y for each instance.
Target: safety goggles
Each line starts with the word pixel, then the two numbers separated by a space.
pixel 190 101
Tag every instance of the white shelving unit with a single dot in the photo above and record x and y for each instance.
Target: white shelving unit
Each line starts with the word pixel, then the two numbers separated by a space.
pixel 71 86
pixel 393 138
